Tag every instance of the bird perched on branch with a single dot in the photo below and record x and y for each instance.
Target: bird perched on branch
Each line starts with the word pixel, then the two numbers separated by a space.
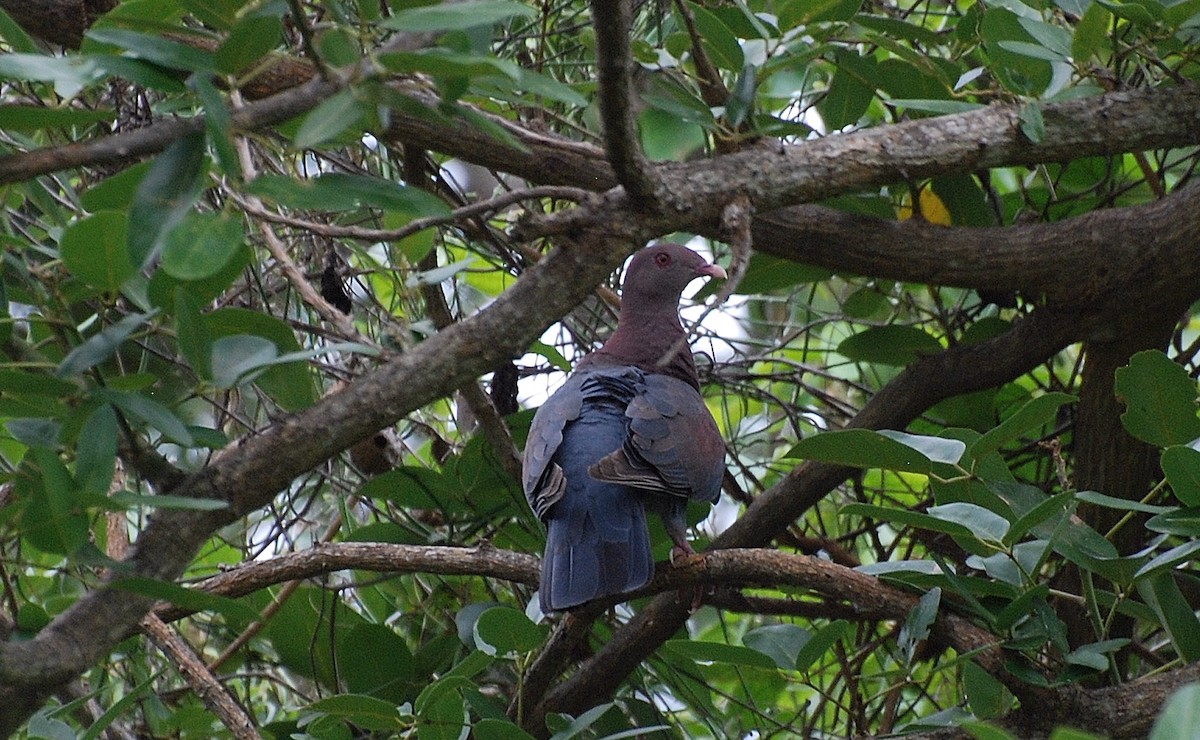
pixel 627 432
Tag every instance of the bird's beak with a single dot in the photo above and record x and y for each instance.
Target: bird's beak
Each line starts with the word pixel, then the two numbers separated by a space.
pixel 714 271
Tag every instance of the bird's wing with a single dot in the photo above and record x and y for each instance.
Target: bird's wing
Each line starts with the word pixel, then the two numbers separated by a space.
pixel 673 446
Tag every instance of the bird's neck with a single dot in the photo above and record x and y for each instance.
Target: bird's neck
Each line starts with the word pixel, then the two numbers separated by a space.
pixel 662 350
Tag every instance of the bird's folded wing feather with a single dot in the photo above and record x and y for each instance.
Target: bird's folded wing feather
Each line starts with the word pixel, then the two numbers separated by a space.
pixel 542 478
pixel 674 446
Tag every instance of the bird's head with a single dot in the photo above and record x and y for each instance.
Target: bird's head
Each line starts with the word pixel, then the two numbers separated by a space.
pixel 660 272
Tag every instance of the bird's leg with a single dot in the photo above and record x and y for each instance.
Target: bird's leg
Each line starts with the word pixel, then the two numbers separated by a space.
pixel 682 555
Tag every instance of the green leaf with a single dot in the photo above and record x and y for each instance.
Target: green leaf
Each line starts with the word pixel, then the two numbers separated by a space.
pixel 909 518
pixel 235 359
pixel 1032 416
pixel 915 629
pixel 986 696
pixel 156 49
pixel 552 354
pixel 861 448
pixel 722 45
pixel 100 347
pixel 503 631
pixel 150 412
pixel 719 652
pixel 289 384
pixel 53 520
pixel 456 16
pixel 889 345
pixel 69 74
pixel 741 98
pixel 96 450
pixel 185 503
pixel 1120 504
pixel 165 195
pixel 341 192
pixel 850 91
pixel 493 728
pixel 936 106
pixel 38 117
pixel 34 432
pixel 1167 561
pixel 115 193
pixel 1145 14
pixel 780 642
pixel 201 245
pixel 937 449
pixel 1183 522
pixel 444 63
pixel 368 712
pixel 982 523
pixel 95 250
pixel 1180 716
pixel 1032 125
pixel 1160 400
pixel 1091 33
pixel 329 119
pixel 249 40
pixel 192 333
pixel 1181 465
pixel 1161 593
pixel 820 643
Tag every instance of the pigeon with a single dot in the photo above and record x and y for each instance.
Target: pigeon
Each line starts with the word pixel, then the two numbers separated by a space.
pixel 628 432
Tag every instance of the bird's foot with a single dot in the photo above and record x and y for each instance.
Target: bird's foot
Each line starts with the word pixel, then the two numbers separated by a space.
pixel 682 556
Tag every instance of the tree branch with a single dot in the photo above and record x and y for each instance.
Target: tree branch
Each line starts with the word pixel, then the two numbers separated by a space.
pixel 613 20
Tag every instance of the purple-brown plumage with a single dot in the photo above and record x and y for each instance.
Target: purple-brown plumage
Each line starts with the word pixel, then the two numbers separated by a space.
pixel 626 432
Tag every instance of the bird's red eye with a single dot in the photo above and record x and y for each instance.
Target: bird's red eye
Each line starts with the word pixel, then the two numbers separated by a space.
pixel 662 259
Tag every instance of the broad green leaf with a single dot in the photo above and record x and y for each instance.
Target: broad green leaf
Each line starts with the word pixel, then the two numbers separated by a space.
pixel 96 450
pixel 367 712
pixel 249 40
pixel 165 195
pixel 192 333
pixel 218 121
pixel 503 630
pixel 723 46
pixel 1091 33
pixel 456 16
pixel 115 193
pixel 889 345
pixel 908 518
pixel 1168 560
pixel 329 119
pixel 917 624
pixel 239 358
pixel 1180 716
pixel 1160 400
pixel 1018 73
pixel 552 354
pixel 151 412
pixel 100 347
pixel 1032 125
pixel 36 117
pixel 95 250
pixel 1121 504
pixel 1183 522
pixel 443 716
pixel 495 728
pixel 439 62
pixel 984 524
pixel 34 432
pixel 820 643
pixel 1161 593
pixel 414 487
pixel 201 245
pixel 290 385
pixel 717 652
pixel 53 520
pixel 780 642
pixel 1144 14
pixel 861 448
pixel 850 91
pixel 936 106
pixel 438 274
pixel 395 680
pixel 986 696
pixel 1095 655
pixel 741 98
pixel 937 449
pixel 1031 417
pixel 342 192
pixel 1181 465
pixel 69 74
pixel 156 49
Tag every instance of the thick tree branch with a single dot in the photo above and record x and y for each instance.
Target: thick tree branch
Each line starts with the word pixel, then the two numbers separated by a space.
pixel 613 20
